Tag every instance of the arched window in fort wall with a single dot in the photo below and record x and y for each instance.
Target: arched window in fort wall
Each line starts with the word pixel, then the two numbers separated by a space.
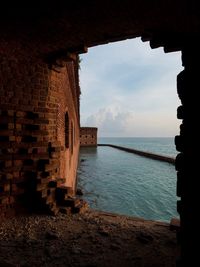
pixel 72 137
pixel 66 130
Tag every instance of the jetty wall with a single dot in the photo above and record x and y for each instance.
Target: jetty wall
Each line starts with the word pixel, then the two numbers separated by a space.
pixel 142 153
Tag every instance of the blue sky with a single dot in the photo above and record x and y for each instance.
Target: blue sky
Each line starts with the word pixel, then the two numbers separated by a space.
pixel 129 90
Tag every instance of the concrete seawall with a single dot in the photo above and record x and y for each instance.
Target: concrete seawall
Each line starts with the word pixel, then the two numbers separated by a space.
pixel 143 153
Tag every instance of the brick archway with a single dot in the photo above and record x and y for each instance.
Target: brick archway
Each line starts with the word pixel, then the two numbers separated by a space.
pixel 40 39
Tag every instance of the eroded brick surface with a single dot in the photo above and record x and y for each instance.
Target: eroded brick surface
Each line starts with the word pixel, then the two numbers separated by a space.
pixel 34 160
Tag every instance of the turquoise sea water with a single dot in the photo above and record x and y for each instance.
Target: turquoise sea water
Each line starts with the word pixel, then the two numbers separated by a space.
pixel 124 183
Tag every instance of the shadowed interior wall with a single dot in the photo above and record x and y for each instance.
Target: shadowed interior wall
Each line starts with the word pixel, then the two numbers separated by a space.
pixel 33 103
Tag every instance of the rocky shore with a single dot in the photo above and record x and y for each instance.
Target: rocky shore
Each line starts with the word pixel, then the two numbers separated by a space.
pixel 91 239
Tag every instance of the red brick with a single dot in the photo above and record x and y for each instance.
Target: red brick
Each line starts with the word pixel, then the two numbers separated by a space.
pixel 30 96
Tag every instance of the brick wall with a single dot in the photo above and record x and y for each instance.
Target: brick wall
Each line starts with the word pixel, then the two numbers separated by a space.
pixel 88 136
pixel 33 158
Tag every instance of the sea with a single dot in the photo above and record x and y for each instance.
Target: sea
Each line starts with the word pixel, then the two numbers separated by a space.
pixel 116 181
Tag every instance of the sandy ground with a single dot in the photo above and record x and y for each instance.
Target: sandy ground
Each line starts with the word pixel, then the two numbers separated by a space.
pixel 92 239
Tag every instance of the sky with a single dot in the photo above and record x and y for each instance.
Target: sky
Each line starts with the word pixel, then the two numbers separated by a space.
pixel 129 90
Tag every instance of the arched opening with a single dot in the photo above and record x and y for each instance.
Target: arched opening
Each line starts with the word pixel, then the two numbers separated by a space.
pixel 66 130
pixel 72 137
pixel 172 24
pixel 137 99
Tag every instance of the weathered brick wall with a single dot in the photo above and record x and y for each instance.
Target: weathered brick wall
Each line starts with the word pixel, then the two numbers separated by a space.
pixel 33 157
pixel 63 85
pixel 88 136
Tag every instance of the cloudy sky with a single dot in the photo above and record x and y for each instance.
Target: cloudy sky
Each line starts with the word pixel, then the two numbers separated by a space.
pixel 128 89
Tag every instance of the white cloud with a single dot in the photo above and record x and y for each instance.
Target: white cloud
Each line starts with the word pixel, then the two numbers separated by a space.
pixel 110 123
pixel 130 90
pixel 115 123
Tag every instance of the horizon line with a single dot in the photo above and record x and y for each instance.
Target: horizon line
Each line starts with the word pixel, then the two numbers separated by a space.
pixel 136 136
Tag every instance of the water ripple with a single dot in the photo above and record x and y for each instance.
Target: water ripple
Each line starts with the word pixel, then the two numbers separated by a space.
pixel 128 184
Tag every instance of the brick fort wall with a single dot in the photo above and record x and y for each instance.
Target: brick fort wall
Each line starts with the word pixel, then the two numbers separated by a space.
pixel 88 136
pixel 35 99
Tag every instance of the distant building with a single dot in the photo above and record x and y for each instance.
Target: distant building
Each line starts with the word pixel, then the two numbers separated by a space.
pixel 88 136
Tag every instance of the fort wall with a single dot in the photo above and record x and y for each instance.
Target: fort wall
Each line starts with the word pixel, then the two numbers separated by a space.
pixel 88 136
pixel 39 130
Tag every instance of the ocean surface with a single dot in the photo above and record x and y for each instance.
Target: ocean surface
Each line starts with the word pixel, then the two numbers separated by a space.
pixel 125 183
